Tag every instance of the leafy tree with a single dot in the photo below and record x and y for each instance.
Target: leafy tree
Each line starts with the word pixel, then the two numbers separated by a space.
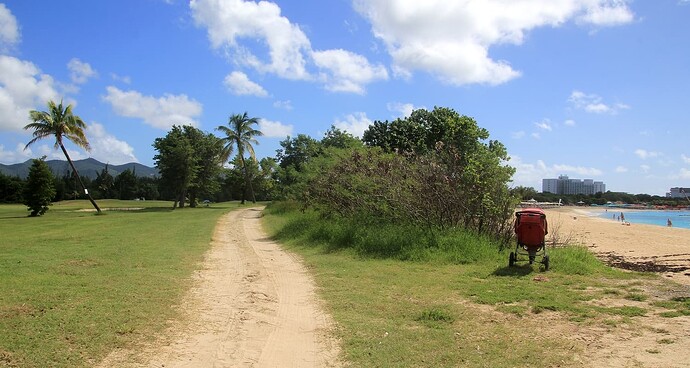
pixel 60 122
pixel 239 134
pixel 337 138
pixel 11 188
pixel 126 185
pixel 176 162
pixel 39 190
pixel 208 151
pixel 103 184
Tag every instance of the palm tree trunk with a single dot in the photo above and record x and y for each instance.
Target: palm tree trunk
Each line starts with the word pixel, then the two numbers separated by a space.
pixel 76 173
pixel 248 183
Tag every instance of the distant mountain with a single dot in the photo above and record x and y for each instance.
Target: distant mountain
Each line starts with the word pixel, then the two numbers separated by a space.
pixel 88 167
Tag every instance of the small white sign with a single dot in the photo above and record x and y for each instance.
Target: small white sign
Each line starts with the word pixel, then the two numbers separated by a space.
pixel 86 191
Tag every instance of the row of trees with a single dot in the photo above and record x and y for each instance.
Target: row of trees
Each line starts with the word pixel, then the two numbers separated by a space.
pixel 435 169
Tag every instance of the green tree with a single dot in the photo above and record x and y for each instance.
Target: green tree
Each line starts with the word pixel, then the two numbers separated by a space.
pixel 176 162
pixel 60 122
pixel 39 190
pixel 239 134
pixel 126 185
pixel 11 188
pixel 103 184
pixel 208 150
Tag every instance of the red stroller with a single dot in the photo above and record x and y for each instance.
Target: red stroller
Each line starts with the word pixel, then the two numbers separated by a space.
pixel 531 229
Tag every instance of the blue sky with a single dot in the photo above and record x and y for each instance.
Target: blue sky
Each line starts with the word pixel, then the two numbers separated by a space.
pixel 594 89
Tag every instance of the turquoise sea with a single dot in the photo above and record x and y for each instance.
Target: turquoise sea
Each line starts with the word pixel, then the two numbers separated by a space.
pixel 660 218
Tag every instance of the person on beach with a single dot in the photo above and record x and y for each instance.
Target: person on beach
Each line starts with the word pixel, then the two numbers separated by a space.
pixel 622 217
pixel 669 223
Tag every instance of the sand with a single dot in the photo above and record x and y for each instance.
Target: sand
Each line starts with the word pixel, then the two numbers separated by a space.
pixel 640 247
pixel 253 305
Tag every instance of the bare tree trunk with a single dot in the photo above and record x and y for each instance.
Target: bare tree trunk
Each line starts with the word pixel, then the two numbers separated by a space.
pixel 76 173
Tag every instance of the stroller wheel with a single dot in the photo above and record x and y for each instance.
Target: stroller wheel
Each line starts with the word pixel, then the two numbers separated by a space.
pixel 545 261
pixel 511 259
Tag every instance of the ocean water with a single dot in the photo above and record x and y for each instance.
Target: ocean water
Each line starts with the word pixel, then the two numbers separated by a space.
pixel 659 218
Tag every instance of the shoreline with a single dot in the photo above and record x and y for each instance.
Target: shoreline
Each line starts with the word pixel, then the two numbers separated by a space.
pixel 642 247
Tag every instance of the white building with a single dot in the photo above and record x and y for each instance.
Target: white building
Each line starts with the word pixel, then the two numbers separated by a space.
pixel 565 185
pixel 679 193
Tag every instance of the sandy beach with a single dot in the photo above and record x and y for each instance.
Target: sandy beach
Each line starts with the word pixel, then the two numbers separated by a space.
pixel 639 247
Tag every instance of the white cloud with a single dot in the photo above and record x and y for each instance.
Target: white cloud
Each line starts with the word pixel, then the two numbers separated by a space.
pixel 230 20
pixel 402 110
pixel 592 103
pixel 645 168
pixel 286 104
pixel 621 169
pixel 9 29
pixel 19 154
pixel 22 88
pixel 107 148
pixel 121 78
pixel 685 158
pixel 535 135
pixel 239 84
pixel 544 125
pixel 570 123
pixel 162 112
pixel 354 124
pixel 644 154
pixel 683 174
pixel 579 170
pixel 274 129
pixel 451 39
pixel 607 13
pixel 288 50
pixel 80 72
pixel 347 71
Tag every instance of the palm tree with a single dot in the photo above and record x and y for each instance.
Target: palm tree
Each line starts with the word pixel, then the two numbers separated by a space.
pixel 240 134
pixel 60 123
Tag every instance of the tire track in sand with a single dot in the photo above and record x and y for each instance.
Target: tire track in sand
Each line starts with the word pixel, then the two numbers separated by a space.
pixel 253 305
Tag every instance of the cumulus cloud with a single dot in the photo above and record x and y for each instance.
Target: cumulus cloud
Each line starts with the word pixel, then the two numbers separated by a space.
pixel 9 29
pixel 645 168
pixel 685 158
pixel 158 112
pixel 19 154
pixel 274 129
pixel 570 123
pixel 288 50
pixel 451 39
pixel 80 72
pixel 402 110
pixel 592 103
pixel 621 169
pixel 231 20
pixel 354 124
pixel 239 84
pixel 107 148
pixel 644 154
pixel 22 88
pixel 346 71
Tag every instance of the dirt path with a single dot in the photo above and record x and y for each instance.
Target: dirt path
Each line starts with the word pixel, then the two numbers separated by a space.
pixel 254 305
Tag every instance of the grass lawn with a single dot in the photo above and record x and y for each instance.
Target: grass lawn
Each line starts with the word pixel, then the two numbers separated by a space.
pixel 74 285
pixel 455 305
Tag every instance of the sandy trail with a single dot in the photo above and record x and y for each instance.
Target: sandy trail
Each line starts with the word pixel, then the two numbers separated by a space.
pixel 253 305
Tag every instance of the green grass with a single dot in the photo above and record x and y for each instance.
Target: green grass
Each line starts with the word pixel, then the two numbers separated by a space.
pixel 405 298
pixel 74 285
